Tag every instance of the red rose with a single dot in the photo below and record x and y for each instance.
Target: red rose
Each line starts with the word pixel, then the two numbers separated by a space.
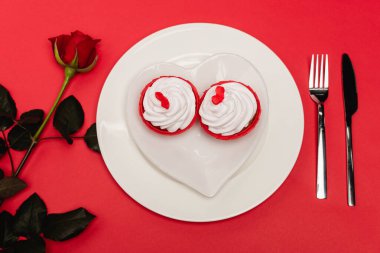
pixel 77 51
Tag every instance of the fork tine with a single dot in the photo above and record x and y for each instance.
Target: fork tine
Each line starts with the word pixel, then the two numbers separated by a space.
pixel 316 73
pixel 321 77
pixel 326 72
pixel 311 74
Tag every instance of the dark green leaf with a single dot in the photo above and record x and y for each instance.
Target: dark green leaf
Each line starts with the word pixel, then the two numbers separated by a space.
pixel 69 117
pixel 35 245
pixel 30 217
pixel 31 118
pixel 8 110
pixel 7 236
pixel 1 177
pixel 91 138
pixel 61 227
pixel 9 186
pixel 19 138
pixel 3 147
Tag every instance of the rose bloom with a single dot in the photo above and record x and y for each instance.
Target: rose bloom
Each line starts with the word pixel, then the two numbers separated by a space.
pixel 77 43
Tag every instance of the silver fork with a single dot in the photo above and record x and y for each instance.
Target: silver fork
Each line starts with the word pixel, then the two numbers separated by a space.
pixel 318 88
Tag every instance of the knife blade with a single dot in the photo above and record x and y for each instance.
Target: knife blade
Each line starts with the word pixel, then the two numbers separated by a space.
pixel 349 88
pixel 351 106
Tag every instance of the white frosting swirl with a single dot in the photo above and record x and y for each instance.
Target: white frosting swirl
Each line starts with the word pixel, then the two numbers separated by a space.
pixel 181 109
pixel 233 114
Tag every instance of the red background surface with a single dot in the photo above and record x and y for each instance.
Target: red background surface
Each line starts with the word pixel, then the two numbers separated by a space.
pixel 292 220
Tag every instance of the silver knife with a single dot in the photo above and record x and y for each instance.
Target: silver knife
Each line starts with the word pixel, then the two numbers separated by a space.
pixel 351 106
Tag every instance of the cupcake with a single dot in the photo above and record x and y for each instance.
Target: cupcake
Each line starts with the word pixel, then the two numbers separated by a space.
pixel 229 110
pixel 169 105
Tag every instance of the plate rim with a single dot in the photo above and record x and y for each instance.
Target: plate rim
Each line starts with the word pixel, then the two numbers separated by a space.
pixel 140 43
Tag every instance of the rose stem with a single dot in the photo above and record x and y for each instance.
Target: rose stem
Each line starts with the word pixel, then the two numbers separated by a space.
pixel 69 73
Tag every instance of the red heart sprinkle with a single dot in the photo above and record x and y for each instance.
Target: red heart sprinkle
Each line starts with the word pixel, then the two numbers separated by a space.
pixel 219 95
pixel 164 101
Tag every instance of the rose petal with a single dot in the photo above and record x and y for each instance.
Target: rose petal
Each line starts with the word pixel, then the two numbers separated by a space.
pixel 91 57
pixel 77 33
pixel 70 49
pixel 52 40
pixel 78 37
pixel 71 46
pixel 86 52
pixel 62 41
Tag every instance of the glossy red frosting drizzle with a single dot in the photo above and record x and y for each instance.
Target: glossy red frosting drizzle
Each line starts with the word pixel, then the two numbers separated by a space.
pixel 164 101
pixel 219 95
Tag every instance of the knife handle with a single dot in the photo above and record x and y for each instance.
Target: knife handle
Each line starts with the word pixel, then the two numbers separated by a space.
pixel 350 168
pixel 321 162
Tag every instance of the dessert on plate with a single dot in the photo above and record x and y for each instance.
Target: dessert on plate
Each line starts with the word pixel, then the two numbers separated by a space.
pixel 229 110
pixel 169 105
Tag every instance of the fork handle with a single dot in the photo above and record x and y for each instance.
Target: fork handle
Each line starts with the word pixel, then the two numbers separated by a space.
pixel 321 162
pixel 350 167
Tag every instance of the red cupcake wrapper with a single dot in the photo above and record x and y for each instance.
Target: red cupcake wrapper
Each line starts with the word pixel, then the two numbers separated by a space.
pixel 157 129
pixel 246 130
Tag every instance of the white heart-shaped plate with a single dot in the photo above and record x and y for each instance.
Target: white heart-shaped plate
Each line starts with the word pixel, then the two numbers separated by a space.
pixel 194 157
